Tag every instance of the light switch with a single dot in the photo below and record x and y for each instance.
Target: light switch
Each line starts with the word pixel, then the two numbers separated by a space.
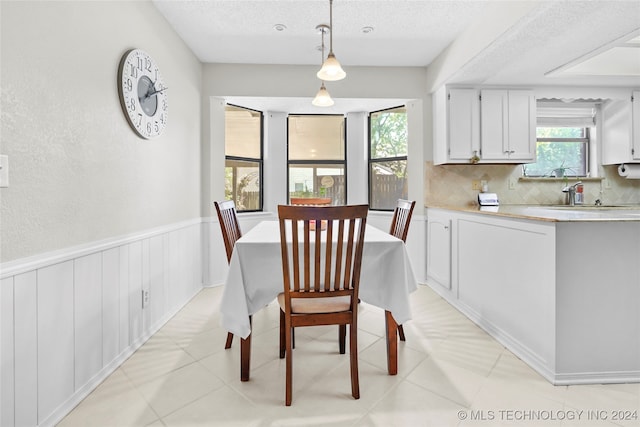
pixel 4 171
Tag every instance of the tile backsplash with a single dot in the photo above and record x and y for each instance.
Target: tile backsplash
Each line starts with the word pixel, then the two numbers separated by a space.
pixel 451 185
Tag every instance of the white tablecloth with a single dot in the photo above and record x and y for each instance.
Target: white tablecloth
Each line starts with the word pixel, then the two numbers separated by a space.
pixel 255 276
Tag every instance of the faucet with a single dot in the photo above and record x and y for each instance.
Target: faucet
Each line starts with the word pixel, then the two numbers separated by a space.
pixel 571 193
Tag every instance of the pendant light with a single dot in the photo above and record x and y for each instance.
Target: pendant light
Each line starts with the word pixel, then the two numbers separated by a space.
pixel 322 99
pixel 331 70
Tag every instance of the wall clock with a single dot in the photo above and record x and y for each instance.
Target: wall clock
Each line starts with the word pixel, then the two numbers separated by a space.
pixel 143 94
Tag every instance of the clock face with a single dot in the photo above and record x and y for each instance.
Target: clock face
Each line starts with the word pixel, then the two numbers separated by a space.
pixel 143 94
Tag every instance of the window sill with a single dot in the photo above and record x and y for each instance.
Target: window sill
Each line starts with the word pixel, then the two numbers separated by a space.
pixel 555 179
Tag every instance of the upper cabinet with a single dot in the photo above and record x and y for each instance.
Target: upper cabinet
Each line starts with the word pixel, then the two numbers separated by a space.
pixel 484 126
pixel 508 125
pixel 463 108
pixel 621 130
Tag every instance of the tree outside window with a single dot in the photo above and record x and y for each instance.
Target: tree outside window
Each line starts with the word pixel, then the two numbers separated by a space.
pixel 387 158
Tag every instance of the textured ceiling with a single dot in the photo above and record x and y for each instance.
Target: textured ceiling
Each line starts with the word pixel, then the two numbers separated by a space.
pixel 533 48
pixel 408 33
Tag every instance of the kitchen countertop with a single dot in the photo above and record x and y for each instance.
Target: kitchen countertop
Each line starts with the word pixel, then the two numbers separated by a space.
pixel 554 213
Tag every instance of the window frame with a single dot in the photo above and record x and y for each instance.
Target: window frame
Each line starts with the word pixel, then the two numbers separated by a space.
pixel 371 161
pixel 586 140
pixel 260 161
pixel 343 162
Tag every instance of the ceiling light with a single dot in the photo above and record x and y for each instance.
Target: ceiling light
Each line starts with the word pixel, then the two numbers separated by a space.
pixel 279 27
pixel 322 99
pixel 366 30
pixel 331 69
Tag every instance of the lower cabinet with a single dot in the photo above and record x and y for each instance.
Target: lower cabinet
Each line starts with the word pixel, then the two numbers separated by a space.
pixel 561 295
pixel 439 250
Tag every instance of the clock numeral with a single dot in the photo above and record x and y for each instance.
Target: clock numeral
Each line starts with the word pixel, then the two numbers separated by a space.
pixel 139 120
pixel 140 66
pixel 148 64
pixel 129 85
pixel 133 71
pixel 156 127
pixel 132 104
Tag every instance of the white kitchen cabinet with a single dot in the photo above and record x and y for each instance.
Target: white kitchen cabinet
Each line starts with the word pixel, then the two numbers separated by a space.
pixel 508 125
pixel 439 249
pixel 527 283
pixel 498 127
pixel 463 109
pixel 621 130
pixel 456 125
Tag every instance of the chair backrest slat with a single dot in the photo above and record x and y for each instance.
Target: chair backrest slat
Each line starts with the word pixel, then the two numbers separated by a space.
pixel 229 225
pixel 331 257
pixel 402 219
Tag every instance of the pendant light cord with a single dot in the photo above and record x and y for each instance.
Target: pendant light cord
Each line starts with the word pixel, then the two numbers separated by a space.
pixel 330 28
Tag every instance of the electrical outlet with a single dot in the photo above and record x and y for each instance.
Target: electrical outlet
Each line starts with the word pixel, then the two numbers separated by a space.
pixel 145 298
pixel 475 185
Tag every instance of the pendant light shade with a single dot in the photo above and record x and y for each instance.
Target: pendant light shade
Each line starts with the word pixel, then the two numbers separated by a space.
pixel 322 99
pixel 331 70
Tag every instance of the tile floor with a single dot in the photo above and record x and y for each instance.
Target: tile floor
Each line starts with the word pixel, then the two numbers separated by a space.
pixel 451 373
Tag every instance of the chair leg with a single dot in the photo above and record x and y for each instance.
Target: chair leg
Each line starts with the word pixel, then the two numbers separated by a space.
pixel 353 349
pixel 342 333
pixel 293 338
pixel 289 366
pixel 229 340
pixel 282 336
pixel 401 332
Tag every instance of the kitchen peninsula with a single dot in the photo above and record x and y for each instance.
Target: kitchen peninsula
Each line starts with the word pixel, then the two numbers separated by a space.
pixel 558 286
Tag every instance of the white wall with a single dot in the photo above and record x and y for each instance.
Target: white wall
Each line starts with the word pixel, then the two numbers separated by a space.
pixel 94 214
pixel 78 173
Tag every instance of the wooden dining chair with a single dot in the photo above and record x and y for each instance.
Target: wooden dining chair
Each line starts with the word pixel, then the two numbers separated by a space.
pixel 321 282
pixel 230 227
pixel 400 228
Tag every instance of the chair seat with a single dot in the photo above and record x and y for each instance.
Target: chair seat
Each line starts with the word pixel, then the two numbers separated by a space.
pixel 316 305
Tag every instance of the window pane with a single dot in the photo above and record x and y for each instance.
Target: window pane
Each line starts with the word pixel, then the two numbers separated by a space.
pixel 389 133
pixel 242 184
pixel 317 180
pixel 316 137
pixel 560 132
pixel 388 183
pixel 242 132
pixel 559 158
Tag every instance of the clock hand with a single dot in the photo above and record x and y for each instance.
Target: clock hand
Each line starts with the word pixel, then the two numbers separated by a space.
pixel 150 94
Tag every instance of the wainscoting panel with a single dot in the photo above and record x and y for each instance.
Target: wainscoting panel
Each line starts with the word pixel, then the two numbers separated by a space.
pixel 25 340
pixel 87 288
pixel 56 354
pixel 70 318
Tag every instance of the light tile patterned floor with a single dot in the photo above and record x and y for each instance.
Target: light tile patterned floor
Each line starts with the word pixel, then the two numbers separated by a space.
pixel 451 373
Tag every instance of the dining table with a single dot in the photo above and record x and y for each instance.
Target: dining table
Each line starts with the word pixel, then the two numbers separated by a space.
pixel 255 279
